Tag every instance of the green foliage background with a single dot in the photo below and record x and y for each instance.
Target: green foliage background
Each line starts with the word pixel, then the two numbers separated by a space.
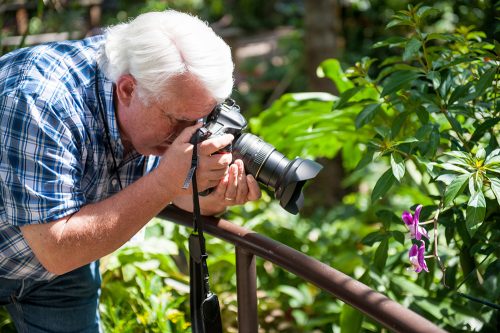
pixel 416 121
pixel 419 127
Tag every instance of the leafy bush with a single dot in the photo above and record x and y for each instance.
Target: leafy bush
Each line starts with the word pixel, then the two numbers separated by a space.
pixel 417 128
pixel 143 288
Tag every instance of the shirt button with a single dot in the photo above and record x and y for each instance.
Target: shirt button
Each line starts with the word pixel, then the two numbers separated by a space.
pixel 114 182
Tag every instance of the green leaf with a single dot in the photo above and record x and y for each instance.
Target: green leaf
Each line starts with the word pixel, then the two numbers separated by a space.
pixel 293 292
pixel 398 166
pixel 411 49
pixel 398 236
pixel 492 154
pixel 300 317
pixel 484 82
pixel 351 319
pixel 367 159
pixel 460 92
pixel 367 114
pixel 128 272
pixel 495 187
pixel 442 36
pixel 476 210
pixel 149 265
pixel 410 139
pixel 481 153
pixel 381 255
pixel 331 69
pixel 367 62
pixel 373 238
pixel 384 73
pixel 437 307
pixel 455 124
pixel 346 96
pixel 459 154
pixel 493 269
pixel 434 138
pixel 383 185
pixel 435 78
pixel 482 128
pixel 456 187
pixel 390 41
pixel 398 21
pixel 491 161
pixel 398 123
pixel 447 81
pixel 408 286
pixel 425 11
pixel 383 131
pixel 452 167
pixel 446 178
pixel 397 81
pixel 475 183
pixel 387 217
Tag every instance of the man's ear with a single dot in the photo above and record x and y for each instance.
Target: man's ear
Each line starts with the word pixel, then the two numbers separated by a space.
pixel 125 88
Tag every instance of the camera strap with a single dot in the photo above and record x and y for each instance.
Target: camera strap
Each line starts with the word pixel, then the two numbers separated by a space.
pixel 205 310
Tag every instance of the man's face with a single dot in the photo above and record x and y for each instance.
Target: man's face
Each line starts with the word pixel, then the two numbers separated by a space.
pixel 151 129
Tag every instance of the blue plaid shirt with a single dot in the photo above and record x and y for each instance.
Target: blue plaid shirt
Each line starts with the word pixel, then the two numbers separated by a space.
pixel 53 154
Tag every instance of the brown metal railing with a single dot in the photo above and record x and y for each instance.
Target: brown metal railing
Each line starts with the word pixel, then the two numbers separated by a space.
pixel 249 244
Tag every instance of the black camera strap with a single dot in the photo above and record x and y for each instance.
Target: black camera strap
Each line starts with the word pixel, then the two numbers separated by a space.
pixel 205 311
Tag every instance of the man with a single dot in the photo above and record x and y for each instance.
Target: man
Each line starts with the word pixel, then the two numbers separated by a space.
pixel 94 142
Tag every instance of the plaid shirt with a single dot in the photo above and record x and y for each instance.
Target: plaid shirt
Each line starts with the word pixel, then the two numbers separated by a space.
pixel 53 154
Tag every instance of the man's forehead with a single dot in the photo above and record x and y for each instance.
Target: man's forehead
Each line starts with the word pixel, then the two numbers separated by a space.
pixel 188 98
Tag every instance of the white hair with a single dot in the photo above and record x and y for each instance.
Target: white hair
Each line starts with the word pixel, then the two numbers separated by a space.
pixel 159 46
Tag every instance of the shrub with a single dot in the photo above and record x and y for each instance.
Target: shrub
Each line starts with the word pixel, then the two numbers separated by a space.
pixel 418 127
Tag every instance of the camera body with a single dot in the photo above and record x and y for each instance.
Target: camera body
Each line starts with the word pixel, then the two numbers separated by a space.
pixel 269 167
pixel 224 119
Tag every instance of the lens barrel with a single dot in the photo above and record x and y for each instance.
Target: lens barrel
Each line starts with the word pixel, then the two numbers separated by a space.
pixel 274 170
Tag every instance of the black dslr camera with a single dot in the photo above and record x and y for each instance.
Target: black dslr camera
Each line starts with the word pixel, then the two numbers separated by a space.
pixel 262 160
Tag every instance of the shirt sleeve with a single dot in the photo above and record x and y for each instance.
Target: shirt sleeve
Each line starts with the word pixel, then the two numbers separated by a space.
pixel 40 169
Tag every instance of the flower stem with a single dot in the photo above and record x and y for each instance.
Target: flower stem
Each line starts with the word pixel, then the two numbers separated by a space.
pixel 478 300
pixel 436 255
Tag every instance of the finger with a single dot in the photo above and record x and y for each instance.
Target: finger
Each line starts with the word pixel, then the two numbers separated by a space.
pixel 220 189
pixel 215 175
pixel 187 133
pixel 242 192
pixel 213 145
pixel 232 183
pixel 254 192
pixel 217 161
pixel 208 184
pixel 212 167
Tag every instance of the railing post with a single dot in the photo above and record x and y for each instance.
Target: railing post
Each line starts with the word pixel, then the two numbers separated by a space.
pixel 246 285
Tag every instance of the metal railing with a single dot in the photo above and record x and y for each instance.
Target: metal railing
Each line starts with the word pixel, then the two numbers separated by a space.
pixel 249 244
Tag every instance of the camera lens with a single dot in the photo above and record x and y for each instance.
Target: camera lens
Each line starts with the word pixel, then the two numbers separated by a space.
pixel 274 170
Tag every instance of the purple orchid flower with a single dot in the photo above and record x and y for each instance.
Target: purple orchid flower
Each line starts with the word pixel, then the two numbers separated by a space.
pixel 411 221
pixel 417 259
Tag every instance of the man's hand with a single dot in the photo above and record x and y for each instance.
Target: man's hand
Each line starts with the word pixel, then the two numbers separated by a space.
pixel 235 188
pixel 212 167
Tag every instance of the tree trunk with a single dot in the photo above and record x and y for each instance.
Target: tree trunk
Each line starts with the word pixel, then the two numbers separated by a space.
pixel 323 40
